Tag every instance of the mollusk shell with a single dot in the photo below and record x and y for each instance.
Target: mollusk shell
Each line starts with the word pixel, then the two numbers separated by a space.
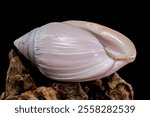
pixel 76 51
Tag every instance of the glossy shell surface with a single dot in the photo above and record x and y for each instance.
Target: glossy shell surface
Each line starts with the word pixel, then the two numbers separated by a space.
pixel 76 51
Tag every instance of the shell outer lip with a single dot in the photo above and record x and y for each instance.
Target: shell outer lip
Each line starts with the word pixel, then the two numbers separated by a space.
pixel 87 25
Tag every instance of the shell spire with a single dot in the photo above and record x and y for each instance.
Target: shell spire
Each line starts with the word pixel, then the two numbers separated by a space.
pixel 25 44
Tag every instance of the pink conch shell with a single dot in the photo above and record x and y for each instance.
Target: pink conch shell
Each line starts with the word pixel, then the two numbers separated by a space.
pixel 76 51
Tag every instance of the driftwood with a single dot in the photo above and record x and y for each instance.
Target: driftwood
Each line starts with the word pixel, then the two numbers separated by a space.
pixel 25 82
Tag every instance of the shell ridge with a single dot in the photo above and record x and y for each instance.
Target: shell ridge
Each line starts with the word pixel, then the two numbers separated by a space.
pixel 96 69
pixel 36 47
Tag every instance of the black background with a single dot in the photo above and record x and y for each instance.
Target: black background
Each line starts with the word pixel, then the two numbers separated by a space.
pixel 131 19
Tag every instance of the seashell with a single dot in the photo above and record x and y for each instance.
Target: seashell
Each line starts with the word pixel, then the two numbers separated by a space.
pixel 76 51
